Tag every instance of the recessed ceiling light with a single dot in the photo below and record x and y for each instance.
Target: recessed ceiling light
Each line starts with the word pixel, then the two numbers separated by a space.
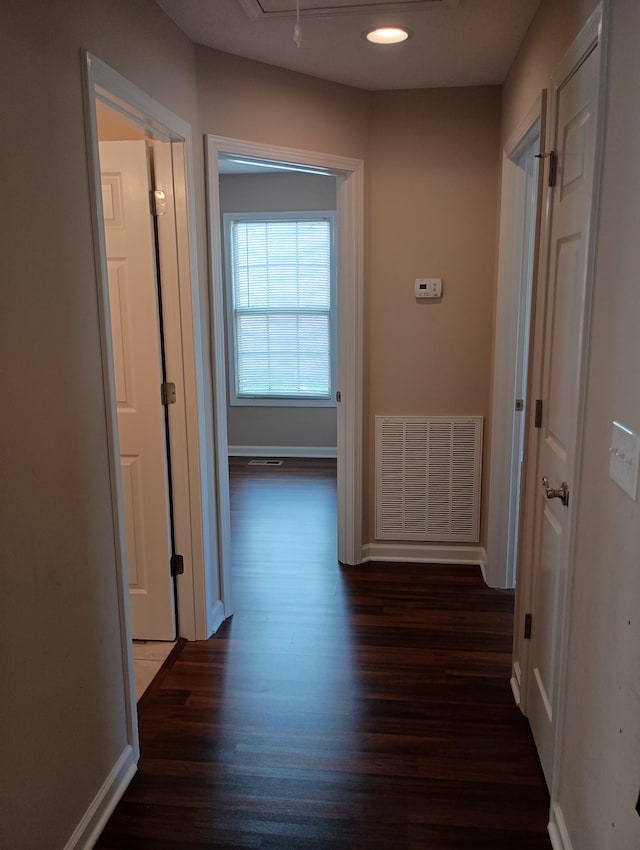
pixel 387 35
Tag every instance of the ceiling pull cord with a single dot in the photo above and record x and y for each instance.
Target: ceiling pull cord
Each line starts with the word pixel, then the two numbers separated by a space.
pixel 297 30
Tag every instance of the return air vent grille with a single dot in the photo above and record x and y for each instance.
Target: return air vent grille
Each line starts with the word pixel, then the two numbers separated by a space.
pixel 428 475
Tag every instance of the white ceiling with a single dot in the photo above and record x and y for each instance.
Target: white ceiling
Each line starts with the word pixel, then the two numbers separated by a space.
pixel 453 42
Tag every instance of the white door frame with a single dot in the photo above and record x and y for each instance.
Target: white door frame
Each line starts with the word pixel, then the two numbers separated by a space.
pixel 185 360
pixel 592 34
pixel 504 501
pixel 350 213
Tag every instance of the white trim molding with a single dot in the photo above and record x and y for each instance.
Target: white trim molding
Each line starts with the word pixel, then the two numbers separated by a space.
pixel 557 829
pixel 95 818
pixel 484 567
pixel 349 175
pixel 216 616
pixel 283 451
pixel 512 334
pixel 516 679
pixel 424 553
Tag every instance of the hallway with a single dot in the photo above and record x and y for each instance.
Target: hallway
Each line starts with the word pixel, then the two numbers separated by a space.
pixel 340 708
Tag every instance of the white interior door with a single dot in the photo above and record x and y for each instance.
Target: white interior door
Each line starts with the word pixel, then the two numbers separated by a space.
pixel 134 310
pixel 564 326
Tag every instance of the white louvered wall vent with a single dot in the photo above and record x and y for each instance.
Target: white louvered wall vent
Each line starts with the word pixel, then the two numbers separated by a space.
pixel 428 475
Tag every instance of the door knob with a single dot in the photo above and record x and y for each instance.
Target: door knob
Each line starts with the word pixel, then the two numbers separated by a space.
pixel 562 492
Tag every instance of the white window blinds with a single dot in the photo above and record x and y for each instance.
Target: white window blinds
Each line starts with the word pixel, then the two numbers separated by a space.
pixel 281 272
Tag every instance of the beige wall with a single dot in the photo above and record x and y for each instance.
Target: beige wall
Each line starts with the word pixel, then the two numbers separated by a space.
pixel 282 427
pixel 431 165
pixel 276 193
pixel 63 713
pixel 279 426
pixel 600 751
pixel 247 100
pixel 434 181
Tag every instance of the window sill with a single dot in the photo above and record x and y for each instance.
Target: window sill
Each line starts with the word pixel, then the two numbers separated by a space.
pixel 260 401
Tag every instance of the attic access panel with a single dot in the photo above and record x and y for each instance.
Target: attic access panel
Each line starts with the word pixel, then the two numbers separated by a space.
pixel 269 9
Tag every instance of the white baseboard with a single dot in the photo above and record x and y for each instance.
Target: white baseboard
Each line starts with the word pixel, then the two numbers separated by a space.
pixel 95 818
pixel 558 832
pixel 216 617
pixel 515 688
pixel 423 553
pixel 282 451
pixel 517 672
pixel 483 566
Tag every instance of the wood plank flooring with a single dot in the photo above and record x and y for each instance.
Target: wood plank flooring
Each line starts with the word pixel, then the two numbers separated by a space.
pixel 340 708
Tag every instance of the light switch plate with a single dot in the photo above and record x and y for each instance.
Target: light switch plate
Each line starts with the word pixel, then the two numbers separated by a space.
pixel 624 457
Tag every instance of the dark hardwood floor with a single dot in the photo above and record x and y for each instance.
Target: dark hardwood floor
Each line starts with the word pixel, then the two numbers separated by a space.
pixel 340 708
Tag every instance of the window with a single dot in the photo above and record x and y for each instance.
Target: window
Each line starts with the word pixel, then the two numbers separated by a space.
pixel 281 294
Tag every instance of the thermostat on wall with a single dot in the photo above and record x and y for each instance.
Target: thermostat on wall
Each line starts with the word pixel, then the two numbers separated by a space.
pixel 429 287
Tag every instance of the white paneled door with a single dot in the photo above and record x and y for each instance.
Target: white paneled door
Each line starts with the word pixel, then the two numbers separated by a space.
pixel 564 326
pixel 137 360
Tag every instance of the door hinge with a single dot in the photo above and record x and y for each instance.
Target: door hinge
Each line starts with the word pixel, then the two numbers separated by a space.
pixel 527 626
pixel 553 168
pixel 519 404
pixel 168 393
pixel 158 202
pixel 538 418
pixel 552 156
pixel 177 565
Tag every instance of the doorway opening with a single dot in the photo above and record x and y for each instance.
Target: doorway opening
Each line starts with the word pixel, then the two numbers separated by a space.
pixel 133 159
pixel 281 315
pixel 346 175
pixel 119 116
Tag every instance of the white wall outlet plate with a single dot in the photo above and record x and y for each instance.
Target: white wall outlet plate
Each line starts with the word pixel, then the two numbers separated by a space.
pixel 624 456
pixel 428 287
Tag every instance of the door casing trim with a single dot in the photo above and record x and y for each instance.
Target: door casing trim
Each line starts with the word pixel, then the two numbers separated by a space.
pixel 501 518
